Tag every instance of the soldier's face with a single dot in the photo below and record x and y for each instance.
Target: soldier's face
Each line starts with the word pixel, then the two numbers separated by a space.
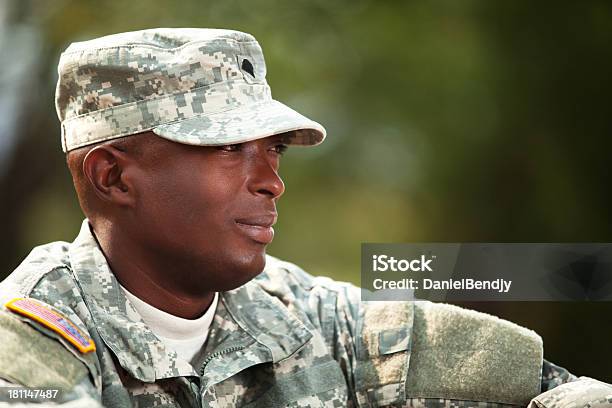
pixel 210 210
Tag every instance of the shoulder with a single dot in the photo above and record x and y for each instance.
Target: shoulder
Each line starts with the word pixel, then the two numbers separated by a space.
pixel 41 348
pixel 42 261
pixel 282 277
pixel 45 283
pixel 286 280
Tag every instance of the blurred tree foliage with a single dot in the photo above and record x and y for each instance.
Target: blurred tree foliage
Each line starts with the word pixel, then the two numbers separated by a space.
pixel 448 121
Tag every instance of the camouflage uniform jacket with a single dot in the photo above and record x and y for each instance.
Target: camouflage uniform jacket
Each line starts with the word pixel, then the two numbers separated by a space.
pixel 287 339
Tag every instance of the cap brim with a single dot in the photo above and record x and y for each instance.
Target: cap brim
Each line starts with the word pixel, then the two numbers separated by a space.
pixel 243 124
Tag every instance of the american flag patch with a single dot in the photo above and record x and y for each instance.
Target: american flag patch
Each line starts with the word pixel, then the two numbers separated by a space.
pixel 52 319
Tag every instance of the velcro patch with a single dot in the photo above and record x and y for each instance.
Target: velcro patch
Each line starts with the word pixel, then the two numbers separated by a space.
pixel 54 320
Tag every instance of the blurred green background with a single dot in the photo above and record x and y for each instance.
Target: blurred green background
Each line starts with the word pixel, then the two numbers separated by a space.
pixel 448 121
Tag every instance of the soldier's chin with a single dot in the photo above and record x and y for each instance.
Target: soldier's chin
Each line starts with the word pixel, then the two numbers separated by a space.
pixel 243 270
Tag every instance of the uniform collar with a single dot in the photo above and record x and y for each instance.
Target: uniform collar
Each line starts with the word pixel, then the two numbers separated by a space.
pixel 266 326
pixel 267 320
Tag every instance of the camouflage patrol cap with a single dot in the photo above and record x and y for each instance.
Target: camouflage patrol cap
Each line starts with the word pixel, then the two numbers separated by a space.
pixel 189 85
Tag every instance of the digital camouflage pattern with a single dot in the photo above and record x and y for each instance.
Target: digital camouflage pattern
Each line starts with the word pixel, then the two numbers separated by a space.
pixel 190 85
pixel 553 376
pixel 283 339
pixel 584 393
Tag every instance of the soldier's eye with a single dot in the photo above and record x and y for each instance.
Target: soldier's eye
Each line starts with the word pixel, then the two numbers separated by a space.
pixel 280 149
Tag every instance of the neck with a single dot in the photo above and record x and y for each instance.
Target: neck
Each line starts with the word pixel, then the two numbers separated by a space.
pixel 153 279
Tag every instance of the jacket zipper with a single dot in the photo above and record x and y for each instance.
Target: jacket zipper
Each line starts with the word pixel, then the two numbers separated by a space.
pixel 217 354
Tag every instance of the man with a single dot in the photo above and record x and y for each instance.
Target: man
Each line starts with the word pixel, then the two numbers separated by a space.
pixel 174 146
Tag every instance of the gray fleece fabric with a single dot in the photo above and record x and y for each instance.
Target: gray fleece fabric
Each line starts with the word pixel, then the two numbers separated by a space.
pixel 467 355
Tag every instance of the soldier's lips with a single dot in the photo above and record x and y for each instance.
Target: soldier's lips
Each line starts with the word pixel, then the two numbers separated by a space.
pixel 258 228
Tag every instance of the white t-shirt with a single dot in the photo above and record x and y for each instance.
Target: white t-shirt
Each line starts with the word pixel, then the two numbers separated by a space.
pixel 185 336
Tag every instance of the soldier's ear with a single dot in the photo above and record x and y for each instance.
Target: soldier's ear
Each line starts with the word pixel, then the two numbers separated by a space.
pixel 106 169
